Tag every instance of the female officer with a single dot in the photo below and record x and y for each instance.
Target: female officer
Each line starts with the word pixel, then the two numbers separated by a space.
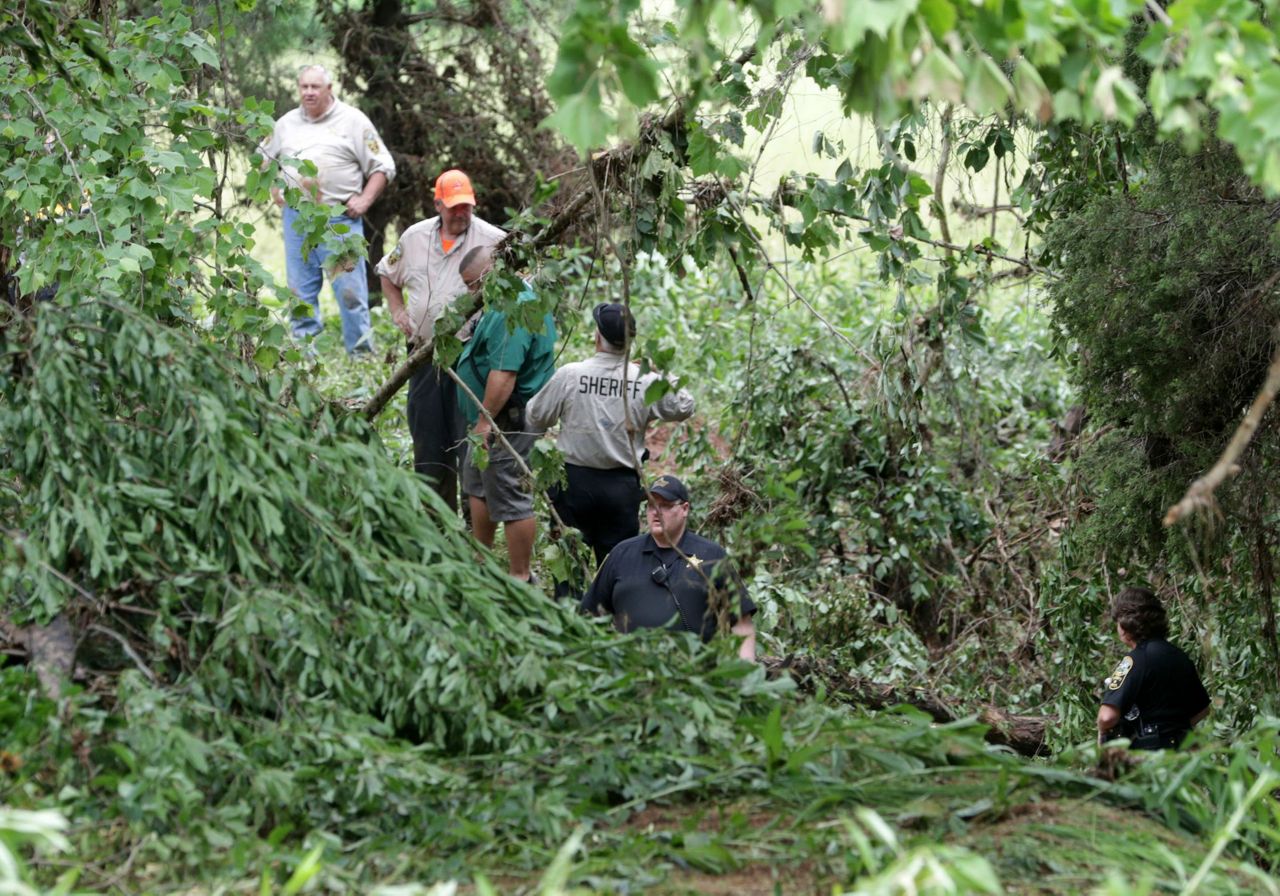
pixel 1154 695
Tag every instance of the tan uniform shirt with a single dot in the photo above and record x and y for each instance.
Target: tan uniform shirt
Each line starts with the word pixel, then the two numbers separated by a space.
pixel 343 145
pixel 429 277
pixel 594 405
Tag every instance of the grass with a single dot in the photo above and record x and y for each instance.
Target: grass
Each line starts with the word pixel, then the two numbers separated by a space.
pixel 1046 845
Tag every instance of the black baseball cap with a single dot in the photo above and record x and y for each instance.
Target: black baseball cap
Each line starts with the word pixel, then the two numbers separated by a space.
pixel 614 322
pixel 669 487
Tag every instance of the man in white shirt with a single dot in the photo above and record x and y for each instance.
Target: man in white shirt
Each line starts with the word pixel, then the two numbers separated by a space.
pixel 353 167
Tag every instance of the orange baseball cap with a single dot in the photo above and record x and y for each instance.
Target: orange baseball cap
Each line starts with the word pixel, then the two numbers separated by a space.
pixel 454 188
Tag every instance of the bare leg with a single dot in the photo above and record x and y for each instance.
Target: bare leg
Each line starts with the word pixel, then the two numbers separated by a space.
pixel 520 535
pixel 482 527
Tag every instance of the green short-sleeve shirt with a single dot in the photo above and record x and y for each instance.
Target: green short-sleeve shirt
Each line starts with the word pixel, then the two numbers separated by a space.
pixel 492 347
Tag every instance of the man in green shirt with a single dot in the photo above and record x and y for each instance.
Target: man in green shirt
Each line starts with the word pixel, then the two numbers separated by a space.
pixel 504 369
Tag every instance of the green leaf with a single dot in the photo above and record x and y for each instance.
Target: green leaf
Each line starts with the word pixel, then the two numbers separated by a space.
pixel 1030 92
pixel 703 153
pixel 581 121
pixel 201 52
pixel 877 17
pixel 557 874
pixel 266 357
pixel 937 77
pixel 656 390
pixel 987 90
pixel 1115 97
pixel 639 78
pixel 574 68
pixel 939 15
pixel 308 868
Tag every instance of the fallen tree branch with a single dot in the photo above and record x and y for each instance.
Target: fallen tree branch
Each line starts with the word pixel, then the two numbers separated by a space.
pixel 1023 734
pixel 1199 495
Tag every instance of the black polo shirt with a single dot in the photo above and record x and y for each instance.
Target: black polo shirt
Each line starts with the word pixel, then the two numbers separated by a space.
pixel 1156 684
pixel 644 586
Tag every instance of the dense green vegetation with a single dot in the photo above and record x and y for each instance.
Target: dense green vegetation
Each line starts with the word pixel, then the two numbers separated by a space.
pixel 294 670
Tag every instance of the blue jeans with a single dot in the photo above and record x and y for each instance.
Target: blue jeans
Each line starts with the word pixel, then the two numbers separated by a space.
pixel 350 288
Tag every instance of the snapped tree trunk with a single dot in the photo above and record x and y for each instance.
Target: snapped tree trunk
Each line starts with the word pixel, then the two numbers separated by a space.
pixel 1024 734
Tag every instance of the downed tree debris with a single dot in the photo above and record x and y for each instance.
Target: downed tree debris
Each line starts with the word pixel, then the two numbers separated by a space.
pixel 51 650
pixel 1023 734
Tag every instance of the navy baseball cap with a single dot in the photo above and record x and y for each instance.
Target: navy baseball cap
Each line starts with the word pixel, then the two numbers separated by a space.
pixel 614 322
pixel 669 487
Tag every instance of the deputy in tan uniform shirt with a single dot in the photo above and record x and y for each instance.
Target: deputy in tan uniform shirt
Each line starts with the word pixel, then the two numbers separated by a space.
pixel 353 167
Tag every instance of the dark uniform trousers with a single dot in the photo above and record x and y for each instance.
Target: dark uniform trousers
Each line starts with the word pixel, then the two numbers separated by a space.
pixel 603 504
pixel 436 429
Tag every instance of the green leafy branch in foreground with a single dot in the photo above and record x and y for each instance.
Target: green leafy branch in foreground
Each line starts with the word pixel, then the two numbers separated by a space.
pixel 43 831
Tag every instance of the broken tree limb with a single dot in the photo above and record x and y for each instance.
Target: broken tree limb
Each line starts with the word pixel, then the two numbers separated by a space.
pixel 50 650
pixel 1023 734
pixel 1199 494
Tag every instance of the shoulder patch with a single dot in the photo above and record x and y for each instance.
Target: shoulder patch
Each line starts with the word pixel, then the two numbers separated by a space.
pixel 396 253
pixel 1119 673
pixel 371 141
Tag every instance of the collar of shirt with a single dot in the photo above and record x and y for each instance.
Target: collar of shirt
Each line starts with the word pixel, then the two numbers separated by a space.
pixel 437 233
pixel 652 547
pixel 333 107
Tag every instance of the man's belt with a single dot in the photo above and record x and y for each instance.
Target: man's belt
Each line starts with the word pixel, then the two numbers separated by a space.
pixel 511 417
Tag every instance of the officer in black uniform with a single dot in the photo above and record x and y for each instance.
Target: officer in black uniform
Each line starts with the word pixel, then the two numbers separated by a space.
pixel 671 577
pixel 1154 696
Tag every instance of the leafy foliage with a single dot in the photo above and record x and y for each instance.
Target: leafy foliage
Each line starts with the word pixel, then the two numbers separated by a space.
pixel 1167 303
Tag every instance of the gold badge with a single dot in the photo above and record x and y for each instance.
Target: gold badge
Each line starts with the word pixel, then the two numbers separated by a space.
pixel 695 562
pixel 1118 674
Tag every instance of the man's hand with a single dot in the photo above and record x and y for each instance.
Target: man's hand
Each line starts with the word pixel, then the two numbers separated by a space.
pixel 277 196
pixel 484 430
pixel 1108 718
pixel 401 318
pixel 357 205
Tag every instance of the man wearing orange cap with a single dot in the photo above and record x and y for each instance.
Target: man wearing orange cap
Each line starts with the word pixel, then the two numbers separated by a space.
pixel 421 279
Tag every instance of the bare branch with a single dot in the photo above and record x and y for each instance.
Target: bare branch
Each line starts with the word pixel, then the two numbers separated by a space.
pixel 777 271
pixel 944 159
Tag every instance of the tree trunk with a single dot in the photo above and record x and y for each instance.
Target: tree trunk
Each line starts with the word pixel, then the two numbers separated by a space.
pixel 1024 734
